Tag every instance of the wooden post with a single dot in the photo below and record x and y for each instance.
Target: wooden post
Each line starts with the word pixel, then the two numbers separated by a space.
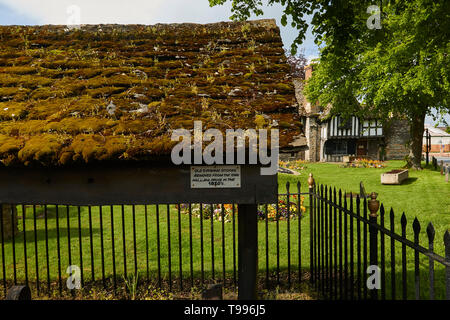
pixel 247 251
pixel 8 220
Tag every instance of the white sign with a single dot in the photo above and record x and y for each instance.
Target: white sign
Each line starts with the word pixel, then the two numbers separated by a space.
pixel 215 177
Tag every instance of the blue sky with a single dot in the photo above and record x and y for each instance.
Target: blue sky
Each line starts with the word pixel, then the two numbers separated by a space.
pixel 9 16
pixel 38 12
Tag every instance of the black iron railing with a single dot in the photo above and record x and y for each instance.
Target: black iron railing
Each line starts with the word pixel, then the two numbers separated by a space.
pixel 322 237
pixel 340 259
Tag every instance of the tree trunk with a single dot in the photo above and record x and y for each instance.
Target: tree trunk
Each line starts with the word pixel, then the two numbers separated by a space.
pixel 415 147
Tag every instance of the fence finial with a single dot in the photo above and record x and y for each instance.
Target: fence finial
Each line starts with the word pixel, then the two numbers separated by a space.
pixel 311 181
pixel 447 259
pixel 373 204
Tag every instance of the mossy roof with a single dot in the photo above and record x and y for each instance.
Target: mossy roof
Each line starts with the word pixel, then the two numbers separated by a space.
pixel 116 92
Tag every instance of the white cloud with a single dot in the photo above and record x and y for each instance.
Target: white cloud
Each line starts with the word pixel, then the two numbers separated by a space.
pixel 121 11
pixel 311 58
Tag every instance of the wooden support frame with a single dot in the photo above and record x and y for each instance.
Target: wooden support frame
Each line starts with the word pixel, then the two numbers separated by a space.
pixel 247 251
pixel 164 184
pixel 145 184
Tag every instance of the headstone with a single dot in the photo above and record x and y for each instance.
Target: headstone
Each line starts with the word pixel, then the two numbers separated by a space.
pixel 9 221
pixel 19 293
pixel 213 292
pixel 362 190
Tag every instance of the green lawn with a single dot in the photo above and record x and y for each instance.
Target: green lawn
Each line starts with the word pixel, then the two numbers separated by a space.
pixel 427 197
pixel 425 194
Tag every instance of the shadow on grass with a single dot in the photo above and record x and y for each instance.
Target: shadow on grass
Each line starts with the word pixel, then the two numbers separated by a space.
pixel 52 234
pixel 51 212
pixel 410 180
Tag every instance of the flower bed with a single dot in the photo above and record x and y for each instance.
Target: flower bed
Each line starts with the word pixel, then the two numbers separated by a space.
pixel 209 211
pixel 366 163
pixel 215 210
pixel 293 165
pixel 295 206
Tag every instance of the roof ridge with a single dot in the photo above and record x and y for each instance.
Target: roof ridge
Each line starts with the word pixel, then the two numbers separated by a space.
pixel 264 22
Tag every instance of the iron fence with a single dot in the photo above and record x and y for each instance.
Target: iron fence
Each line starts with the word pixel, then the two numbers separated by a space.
pixel 174 247
pixel 322 237
pixel 349 236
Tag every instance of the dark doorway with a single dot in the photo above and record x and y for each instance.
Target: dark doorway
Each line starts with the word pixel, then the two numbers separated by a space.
pixel 361 148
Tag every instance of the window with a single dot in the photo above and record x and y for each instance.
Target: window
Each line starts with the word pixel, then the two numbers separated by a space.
pixel 345 124
pixel 372 128
pixel 336 147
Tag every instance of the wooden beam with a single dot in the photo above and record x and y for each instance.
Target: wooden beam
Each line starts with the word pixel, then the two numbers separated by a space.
pixel 126 185
pixel 247 251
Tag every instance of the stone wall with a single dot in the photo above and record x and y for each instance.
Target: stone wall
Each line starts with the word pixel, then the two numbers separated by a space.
pixel 397 137
pixel 312 133
pixel 293 155
pixel 312 127
pixel 373 149
pixel 8 221
pixel 301 101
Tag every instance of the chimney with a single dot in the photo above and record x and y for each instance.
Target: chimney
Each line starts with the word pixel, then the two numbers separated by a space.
pixel 308 71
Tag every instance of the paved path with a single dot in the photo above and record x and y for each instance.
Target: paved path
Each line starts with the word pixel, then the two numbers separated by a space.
pixel 445 159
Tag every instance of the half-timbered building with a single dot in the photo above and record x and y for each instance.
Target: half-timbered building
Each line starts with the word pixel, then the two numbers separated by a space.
pixel 333 138
pixel 352 137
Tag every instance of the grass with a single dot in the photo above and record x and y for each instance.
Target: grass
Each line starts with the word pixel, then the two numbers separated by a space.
pixel 127 261
pixel 424 195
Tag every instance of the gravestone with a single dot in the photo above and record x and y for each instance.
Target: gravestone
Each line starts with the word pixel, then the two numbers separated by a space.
pixel 213 292
pixel 362 190
pixel 9 221
pixel 19 293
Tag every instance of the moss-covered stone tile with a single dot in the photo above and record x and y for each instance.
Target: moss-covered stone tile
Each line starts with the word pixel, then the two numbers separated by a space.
pixel 116 92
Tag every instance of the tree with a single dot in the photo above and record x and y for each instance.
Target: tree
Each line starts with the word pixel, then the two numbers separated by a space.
pixel 396 68
pixel 297 63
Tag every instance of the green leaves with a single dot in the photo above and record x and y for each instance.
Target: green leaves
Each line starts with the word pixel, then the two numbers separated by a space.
pixel 284 20
pixel 402 67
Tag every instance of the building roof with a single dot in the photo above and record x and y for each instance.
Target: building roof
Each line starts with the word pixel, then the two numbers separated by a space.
pixel 436 132
pixel 116 92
